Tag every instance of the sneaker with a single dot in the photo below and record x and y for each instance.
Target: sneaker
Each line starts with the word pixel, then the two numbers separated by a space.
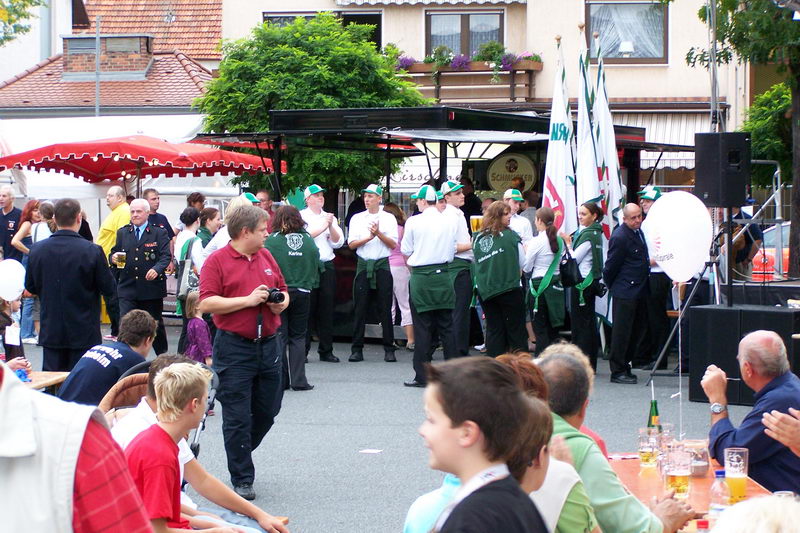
pixel 245 490
pixel 410 346
pixel 481 348
pixel 109 338
pixel 30 340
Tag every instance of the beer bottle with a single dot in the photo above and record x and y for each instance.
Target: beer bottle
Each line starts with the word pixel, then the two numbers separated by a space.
pixel 653 420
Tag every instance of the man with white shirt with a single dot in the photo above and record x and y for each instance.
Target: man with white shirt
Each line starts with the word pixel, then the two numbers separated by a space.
pixel 461 265
pixel 229 508
pixel 429 243
pixel 373 235
pixel 328 236
pixel 513 198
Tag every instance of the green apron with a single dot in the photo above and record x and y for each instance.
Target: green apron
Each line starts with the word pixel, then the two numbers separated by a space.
pixel 549 287
pixel 370 266
pixel 431 288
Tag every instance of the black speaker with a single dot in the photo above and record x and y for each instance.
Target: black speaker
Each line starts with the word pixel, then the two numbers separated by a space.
pixel 722 168
pixel 714 337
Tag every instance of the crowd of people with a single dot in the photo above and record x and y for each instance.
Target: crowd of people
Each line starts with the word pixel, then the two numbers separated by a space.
pixel 253 286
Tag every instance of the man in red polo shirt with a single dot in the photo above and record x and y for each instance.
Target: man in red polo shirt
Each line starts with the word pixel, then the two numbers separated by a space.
pixel 238 287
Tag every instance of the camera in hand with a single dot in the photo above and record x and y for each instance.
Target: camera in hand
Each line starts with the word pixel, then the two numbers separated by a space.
pixel 275 296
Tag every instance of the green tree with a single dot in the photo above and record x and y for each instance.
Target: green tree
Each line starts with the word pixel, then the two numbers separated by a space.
pixel 13 17
pixel 759 32
pixel 771 131
pixel 309 64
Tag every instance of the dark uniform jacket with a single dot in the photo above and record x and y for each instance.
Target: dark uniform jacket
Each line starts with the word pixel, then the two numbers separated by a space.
pixel 151 251
pixel 69 274
pixel 627 266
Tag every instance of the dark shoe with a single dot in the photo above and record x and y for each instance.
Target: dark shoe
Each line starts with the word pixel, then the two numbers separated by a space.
pixel 629 373
pixel 624 379
pixel 414 383
pixel 245 490
pixel 389 357
pixel 330 358
pixel 307 387
pixel 355 357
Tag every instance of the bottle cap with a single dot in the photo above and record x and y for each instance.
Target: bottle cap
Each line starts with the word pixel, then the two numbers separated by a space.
pixel 719 473
pixel 702 524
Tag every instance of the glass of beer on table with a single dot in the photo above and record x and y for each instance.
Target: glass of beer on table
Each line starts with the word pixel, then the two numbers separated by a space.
pixel 648 446
pixel 475 223
pixel 678 469
pixel 736 466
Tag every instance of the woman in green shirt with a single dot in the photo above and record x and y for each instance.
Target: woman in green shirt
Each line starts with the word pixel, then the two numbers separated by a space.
pixel 499 255
pixel 210 222
pixel 298 256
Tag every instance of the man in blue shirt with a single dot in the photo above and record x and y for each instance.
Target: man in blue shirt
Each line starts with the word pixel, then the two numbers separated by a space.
pixel 764 367
pixel 101 366
pixel 9 223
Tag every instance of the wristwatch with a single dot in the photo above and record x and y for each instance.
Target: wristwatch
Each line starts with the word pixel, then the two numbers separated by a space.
pixel 717 408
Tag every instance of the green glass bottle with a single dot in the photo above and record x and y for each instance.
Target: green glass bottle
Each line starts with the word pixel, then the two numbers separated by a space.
pixel 653 420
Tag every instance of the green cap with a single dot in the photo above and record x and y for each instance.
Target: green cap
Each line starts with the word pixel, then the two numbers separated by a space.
pixel 439 195
pixel 312 189
pixel 650 192
pixel 450 186
pixel 427 193
pixel 512 194
pixel 251 197
pixel 373 188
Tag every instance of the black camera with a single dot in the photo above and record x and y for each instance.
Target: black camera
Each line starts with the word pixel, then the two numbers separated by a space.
pixel 275 296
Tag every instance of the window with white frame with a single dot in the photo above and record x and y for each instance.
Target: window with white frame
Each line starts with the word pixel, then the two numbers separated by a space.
pixel 629 31
pixel 462 32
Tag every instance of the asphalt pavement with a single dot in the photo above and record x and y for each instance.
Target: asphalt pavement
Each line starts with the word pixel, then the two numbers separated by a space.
pixel 346 457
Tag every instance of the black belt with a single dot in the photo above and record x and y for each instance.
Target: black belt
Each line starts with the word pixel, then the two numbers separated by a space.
pixel 245 339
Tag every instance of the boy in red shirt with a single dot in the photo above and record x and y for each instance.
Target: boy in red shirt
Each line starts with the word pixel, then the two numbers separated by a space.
pixel 182 394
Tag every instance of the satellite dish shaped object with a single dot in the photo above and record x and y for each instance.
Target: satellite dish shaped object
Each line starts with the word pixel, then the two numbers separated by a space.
pixel 12 279
pixel 679 230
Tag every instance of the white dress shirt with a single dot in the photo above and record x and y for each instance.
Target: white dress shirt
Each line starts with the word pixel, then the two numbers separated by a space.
pixel 359 229
pixel 429 238
pixel 462 233
pixel 323 240
pixel 523 228
pixel 539 256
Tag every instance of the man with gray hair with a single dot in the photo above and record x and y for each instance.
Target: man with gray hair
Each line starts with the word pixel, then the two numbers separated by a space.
pixel 9 223
pixel 616 509
pixel 141 255
pixel 764 367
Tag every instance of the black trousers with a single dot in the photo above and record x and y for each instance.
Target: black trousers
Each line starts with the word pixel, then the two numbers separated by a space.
pixel 382 295
pixel 61 359
pixel 584 324
pixel 251 392
pixel 292 336
pixel 461 312
pixel 545 332
pixel 321 308
pixel 657 319
pixel 428 327
pixel 112 309
pixel 155 308
pixel 182 338
pixel 505 323
pixel 629 315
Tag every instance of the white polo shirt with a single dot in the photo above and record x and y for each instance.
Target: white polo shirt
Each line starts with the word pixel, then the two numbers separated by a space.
pixel 523 228
pixel 462 233
pixel 429 238
pixel 359 229
pixel 323 240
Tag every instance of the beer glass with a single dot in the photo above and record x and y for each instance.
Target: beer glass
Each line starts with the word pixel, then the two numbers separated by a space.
pixel 121 259
pixel 699 451
pixel 475 223
pixel 736 465
pixel 648 446
pixel 678 469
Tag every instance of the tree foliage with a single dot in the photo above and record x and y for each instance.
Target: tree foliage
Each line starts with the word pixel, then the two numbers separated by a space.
pixel 771 132
pixel 309 64
pixel 13 17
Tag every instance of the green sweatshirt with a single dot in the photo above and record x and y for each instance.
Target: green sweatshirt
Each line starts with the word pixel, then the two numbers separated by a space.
pixel 298 257
pixel 496 266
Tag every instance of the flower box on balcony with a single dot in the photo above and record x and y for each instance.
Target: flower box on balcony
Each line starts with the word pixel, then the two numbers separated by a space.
pixel 474 66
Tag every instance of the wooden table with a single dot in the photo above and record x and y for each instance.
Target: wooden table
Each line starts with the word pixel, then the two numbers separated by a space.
pixel 645 483
pixel 46 380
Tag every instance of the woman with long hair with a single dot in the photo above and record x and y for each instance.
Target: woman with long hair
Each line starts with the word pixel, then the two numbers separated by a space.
pixel 298 257
pixel 22 241
pixel 541 262
pixel 210 221
pixel 400 275
pixel 499 256
pixel 587 249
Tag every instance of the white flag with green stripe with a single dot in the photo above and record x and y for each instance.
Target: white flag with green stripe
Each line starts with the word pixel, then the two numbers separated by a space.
pixel 588 186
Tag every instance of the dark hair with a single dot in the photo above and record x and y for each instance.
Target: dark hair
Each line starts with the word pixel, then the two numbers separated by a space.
pixel 27 211
pixel 394 209
pixel 535 432
pixel 485 392
pixel 47 210
pixel 147 192
pixel 189 216
pixel 208 213
pixel 493 218
pixel 568 382
pixel 287 219
pixel 160 363
pixel 546 215
pixel 247 216
pixel 530 375
pixel 195 197
pixel 467 181
pixel 136 327
pixel 532 197
pixel 491 199
pixel 66 212
pixel 594 209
